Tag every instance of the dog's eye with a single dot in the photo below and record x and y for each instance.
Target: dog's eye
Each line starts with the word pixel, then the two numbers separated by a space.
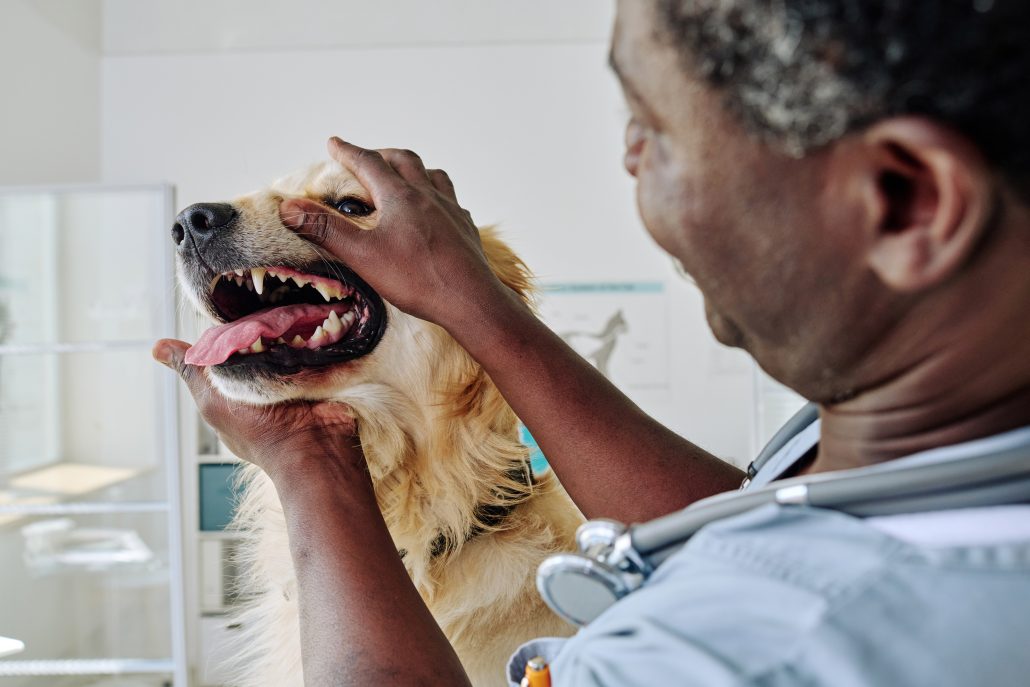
pixel 353 206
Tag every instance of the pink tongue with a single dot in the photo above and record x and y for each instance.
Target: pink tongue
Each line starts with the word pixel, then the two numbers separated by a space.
pixel 218 343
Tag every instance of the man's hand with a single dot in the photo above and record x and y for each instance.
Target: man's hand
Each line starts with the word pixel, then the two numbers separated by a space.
pixel 361 619
pixel 424 255
pixel 275 438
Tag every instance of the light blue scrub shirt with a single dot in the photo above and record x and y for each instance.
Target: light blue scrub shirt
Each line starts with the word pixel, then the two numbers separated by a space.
pixel 806 596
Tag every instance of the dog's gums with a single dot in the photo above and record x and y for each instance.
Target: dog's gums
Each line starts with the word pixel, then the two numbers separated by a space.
pixel 283 317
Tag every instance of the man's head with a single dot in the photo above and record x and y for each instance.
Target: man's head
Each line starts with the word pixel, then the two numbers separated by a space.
pixel 834 174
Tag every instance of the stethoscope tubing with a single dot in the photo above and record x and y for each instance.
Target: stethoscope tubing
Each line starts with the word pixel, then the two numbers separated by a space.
pixel 1002 477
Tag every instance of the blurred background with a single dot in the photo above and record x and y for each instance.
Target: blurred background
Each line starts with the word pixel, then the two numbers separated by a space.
pixel 114 566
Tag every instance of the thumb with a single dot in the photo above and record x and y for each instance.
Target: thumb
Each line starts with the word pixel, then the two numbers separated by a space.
pixel 172 353
pixel 323 227
pixel 211 404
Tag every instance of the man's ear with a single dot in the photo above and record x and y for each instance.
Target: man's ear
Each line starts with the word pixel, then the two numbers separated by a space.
pixel 932 194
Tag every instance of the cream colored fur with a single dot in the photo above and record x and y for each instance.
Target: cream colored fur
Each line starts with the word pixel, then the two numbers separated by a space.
pixel 440 441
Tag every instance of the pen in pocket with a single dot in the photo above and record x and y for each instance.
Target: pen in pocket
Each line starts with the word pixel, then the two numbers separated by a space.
pixel 538 674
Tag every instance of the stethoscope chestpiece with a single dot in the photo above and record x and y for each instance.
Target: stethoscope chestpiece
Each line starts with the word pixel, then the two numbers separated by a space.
pixel 581 586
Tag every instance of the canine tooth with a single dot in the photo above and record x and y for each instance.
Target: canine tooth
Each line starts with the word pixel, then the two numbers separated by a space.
pixel 332 323
pixel 257 346
pixel 258 275
pixel 213 284
pixel 318 338
pixel 298 342
pixel 326 294
pixel 239 273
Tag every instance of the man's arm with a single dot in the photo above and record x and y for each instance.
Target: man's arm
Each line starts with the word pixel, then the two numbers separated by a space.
pixel 424 256
pixel 362 621
pixel 614 459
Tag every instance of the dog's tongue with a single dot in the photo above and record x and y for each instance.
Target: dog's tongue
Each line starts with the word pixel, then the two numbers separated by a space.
pixel 218 343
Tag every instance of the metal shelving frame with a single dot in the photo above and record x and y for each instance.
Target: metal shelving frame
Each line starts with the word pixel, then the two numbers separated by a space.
pixel 176 665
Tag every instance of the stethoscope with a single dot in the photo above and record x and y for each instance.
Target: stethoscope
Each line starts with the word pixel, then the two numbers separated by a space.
pixel 615 560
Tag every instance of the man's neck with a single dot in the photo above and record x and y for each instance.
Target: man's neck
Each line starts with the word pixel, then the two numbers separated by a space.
pixel 969 380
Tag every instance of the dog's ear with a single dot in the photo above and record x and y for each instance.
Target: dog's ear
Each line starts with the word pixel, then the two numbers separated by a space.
pixel 473 395
pixel 512 272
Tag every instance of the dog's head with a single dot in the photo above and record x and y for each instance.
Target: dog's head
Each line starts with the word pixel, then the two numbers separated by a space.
pixel 292 322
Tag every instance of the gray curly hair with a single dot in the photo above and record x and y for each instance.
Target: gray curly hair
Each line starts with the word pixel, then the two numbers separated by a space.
pixel 802 73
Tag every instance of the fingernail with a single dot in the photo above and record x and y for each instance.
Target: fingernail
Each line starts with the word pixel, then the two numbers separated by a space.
pixel 164 355
pixel 291 214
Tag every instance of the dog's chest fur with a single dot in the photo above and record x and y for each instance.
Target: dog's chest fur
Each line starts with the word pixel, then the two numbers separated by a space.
pixel 481 591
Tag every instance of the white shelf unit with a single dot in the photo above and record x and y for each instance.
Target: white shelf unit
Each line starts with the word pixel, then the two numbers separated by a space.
pixel 90 500
pixel 210 567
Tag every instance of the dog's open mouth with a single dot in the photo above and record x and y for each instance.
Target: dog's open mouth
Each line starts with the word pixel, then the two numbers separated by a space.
pixel 283 318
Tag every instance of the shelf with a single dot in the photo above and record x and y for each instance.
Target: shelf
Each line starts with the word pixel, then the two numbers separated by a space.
pixel 90 521
pixel 71 489
pixel 79 347
pixel 86 666
pixel 85 508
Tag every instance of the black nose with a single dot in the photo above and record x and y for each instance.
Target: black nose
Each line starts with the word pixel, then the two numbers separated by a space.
pixel 201 219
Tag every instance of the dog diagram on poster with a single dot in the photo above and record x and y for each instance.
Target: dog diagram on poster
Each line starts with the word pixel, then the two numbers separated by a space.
pixel 620 327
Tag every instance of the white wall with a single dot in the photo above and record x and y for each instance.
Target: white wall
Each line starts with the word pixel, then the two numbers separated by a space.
pixel 50 86
pixel 135 27
pixel 513 99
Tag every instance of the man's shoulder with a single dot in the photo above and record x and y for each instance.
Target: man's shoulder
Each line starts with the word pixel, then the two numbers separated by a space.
pixel 783 592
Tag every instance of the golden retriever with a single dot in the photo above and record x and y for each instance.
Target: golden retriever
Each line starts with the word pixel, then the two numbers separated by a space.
pixel 450 474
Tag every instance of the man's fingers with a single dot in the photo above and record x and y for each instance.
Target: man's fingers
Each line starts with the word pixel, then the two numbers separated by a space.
pixel 172 354
pixel 442 183
pixel 408 165
pixel 210 403
pixel 368 167
pixel 323 227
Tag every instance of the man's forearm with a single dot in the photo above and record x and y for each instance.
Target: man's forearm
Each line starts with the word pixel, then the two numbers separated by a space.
pixel 362 621
pixel 613 459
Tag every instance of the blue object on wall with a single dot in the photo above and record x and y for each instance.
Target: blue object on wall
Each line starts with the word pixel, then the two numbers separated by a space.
pixel 537 461
pixel 217 496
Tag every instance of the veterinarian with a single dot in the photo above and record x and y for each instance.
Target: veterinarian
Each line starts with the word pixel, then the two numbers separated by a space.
pixel 849 185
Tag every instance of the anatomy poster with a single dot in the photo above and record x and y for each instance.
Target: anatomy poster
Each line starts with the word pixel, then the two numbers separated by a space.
pixel 620 327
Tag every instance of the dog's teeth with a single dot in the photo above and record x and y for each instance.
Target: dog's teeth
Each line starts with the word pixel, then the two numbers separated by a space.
pixel 324 290
pixel 332 324
pixel 258 275
pixel 239 273
pixel 348 318
pixel 213 284
pixel 299 281
pixel 298 342
pixel 243 351
pixel 249 285
pixel 318 338
pixel 257 346
pixel 280 340
pixel 239 281
pixel 282 277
